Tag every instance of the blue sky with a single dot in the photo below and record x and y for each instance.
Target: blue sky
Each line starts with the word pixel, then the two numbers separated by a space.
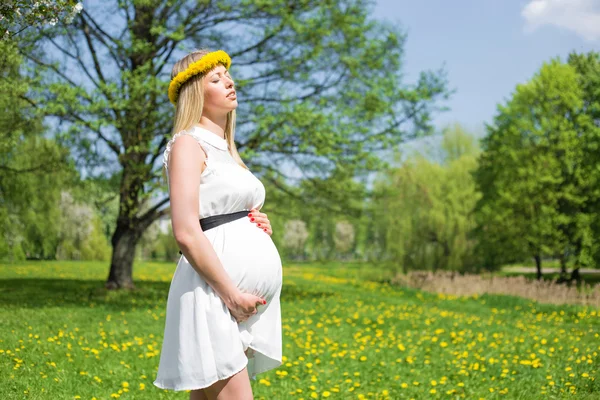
pixel 489 46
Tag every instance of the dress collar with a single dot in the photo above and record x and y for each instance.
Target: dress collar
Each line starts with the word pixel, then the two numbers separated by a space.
pixel 212 138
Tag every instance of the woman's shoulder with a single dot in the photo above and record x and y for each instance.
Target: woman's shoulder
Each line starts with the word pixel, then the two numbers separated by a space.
pixel 191 132
pixel 185 138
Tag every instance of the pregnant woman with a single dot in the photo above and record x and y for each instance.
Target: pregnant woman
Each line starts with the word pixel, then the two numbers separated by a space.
pixel 223 320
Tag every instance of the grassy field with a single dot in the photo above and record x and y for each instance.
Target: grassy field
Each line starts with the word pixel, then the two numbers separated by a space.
pixel 62 336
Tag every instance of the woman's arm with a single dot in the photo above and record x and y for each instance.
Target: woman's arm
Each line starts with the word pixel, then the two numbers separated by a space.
pixel 186 163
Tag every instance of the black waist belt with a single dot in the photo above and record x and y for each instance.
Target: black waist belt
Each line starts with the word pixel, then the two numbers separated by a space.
pixel 216 220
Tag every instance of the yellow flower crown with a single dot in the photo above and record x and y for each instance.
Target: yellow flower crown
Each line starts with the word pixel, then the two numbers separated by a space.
pixel 206 63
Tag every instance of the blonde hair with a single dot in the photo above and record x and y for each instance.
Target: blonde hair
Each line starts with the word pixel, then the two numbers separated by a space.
pixel 190 103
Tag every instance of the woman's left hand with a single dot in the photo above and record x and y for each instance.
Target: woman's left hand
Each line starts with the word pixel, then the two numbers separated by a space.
pixel 261 220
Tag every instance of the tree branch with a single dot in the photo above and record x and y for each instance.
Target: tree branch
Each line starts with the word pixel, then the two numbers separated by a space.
pixel 159 150
pixel 88 40
pixel 153 213
pixel 97 32
pixel 52 67
pixel 46 167
pixel 259 43
pixel 387 130
pixel 97 27
pixel 112 145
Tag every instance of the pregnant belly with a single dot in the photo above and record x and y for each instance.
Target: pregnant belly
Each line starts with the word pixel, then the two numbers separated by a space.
pixel 251 259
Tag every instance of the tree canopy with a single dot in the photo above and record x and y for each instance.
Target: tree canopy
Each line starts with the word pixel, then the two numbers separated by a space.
pixel 538 172
pixel 319 82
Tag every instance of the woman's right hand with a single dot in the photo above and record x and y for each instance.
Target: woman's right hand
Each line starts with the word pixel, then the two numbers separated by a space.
pixel 244 305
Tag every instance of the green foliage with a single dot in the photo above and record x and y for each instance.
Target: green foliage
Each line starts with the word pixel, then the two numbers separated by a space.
pixel 18 15
pixel 81 235
pixel 17 116
pixel 320 89
pixel 33 169
pixel 587 219
pixel 538 174
pixel 36 175
pixel 423 209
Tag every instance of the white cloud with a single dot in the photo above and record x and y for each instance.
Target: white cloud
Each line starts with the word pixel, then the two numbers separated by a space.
pixel 580 16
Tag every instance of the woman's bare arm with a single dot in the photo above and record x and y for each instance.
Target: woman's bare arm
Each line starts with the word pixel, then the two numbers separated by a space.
pixel 186 163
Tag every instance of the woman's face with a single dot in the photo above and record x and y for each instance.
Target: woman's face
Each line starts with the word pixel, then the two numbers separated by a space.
pixel 219 92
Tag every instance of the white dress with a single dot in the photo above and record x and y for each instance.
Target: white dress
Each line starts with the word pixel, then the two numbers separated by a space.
pixel 202 341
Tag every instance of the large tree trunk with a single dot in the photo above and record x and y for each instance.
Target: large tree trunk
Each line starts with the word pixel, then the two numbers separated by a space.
pixel 131 224
pixel 124 241
pixel 563 266
pixel 575 275
pixel 538 266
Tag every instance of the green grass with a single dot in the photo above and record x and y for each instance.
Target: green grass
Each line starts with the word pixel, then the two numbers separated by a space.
pixel 345 337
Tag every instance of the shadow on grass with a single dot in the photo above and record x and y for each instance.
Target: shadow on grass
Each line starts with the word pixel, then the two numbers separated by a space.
pixel 38 293
pixel 291 293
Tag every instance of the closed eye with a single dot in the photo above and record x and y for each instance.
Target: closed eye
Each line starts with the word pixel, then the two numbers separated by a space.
pixel 226 73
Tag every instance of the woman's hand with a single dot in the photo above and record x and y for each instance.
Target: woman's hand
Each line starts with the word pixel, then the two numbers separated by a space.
pixel 261 220
pixel 244 305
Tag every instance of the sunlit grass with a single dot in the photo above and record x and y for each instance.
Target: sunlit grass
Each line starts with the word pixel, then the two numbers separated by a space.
pixel 62 336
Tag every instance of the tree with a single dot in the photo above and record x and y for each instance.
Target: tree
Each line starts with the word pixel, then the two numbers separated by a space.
pixel 32 168
pixel 80 231
pixel 343 237
pixel 424 207
pixel 586 227
pixel 29 198
pixel 295 237
pixel 18 15
pixel 339 194
pixel 319 82
pixel 532 173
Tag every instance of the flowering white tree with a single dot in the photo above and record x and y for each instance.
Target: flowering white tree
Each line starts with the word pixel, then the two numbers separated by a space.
pixel 18 15
pixel 295 236
pixel 343 236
